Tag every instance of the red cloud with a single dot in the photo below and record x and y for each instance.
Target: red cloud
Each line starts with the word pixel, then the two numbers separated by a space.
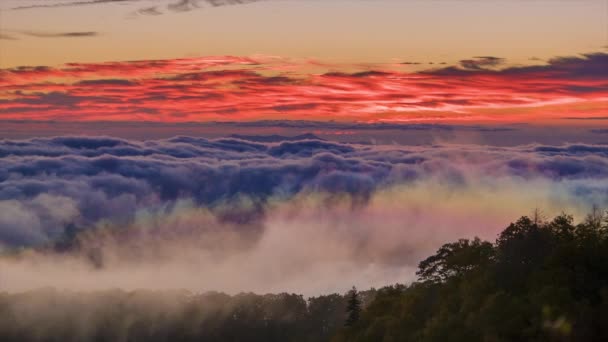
pixel 235 88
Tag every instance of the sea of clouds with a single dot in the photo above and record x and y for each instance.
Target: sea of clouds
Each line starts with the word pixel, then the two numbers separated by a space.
pixel 309 216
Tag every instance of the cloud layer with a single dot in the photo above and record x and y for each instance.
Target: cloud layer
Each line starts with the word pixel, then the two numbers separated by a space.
pixel 104 178
pixel 237 88
pixel 245 215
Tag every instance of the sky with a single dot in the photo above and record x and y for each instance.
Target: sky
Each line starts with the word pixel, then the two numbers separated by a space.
pixel 492 62
pixel 360 31
pixel 288 145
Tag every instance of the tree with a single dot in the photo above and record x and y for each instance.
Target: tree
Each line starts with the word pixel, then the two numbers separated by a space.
pixel 455 259
pixel 595 218
pixel 538 218
pixel 541 281
pixel 353 307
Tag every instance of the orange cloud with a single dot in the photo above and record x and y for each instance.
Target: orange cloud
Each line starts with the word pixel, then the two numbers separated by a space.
pixel 240 89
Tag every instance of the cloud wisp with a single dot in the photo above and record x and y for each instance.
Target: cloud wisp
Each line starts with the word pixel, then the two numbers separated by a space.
pixel 481 62
pixel 244 89
pixel 59 3
pixel 60 34
pixel 4 36
pixel 237 215
pixel 170 6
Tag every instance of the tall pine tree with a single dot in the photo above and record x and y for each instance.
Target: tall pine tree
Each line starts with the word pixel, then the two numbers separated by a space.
pixel 353 307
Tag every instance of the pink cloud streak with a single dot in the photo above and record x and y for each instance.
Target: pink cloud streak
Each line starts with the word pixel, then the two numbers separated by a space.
pixel 241 88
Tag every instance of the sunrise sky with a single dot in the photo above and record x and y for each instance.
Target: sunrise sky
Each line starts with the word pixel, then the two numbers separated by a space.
pixel 344 60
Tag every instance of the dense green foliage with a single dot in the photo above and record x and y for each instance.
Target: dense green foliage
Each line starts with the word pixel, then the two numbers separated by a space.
pixel 540 281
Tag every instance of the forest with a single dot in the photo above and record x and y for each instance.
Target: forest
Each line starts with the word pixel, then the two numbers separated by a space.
pixel 541 280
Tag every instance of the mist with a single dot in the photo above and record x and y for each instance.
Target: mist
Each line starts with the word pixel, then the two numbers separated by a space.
pixel 314 243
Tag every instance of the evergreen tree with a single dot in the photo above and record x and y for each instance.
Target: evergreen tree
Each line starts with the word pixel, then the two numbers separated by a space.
pixel 353 307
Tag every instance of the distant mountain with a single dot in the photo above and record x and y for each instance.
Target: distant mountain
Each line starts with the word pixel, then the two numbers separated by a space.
pixel 275 137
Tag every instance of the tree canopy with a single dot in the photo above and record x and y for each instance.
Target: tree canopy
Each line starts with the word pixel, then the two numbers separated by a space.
pixel 539 281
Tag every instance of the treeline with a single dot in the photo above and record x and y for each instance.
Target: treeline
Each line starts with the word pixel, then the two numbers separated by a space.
pixel 116 315
pixel 539 281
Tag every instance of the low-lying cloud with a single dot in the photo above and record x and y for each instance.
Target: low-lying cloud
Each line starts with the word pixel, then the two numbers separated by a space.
pixel 235 215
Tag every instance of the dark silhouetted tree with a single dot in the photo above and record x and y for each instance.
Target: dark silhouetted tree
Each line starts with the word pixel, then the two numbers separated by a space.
pixel 538 217
pixel 595 218
pixel 353 307
pixel 542 280
pixel 455 259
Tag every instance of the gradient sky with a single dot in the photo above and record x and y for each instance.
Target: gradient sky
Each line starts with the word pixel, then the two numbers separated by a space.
pixel 343 30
